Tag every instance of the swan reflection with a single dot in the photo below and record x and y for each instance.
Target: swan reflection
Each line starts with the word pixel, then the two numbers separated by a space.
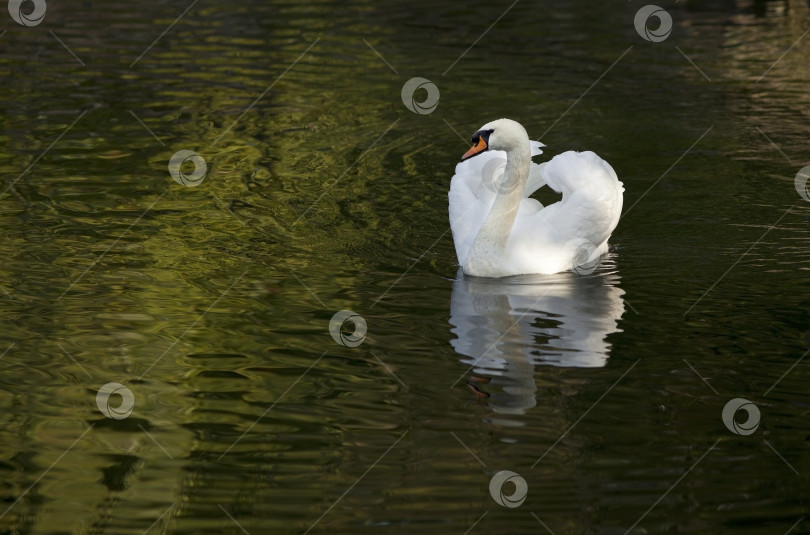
pixel 506 327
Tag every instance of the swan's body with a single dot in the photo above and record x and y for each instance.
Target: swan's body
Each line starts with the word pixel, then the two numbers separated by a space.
pixel 499 231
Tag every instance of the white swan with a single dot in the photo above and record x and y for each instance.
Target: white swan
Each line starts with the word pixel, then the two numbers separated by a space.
pixel 499 231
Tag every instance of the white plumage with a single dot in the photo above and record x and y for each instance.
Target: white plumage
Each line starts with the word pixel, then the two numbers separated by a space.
pixel 499 231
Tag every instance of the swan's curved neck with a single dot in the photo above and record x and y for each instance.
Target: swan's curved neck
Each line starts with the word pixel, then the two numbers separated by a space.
pixel 491 240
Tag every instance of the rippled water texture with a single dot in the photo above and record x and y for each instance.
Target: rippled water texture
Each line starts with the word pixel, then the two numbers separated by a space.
pixel 232 407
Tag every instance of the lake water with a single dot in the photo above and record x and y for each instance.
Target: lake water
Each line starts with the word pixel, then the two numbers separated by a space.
pixel 232 407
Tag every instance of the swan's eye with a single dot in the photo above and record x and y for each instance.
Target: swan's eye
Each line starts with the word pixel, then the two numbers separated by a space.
pixel 481 134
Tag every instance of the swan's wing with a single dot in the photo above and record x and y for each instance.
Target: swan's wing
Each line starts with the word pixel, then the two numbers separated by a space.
pixel 536 147
pixel 588 211
pixel 573 171
pixel 619 189
pixel 536 180
pixel 471 199
pixel 592 196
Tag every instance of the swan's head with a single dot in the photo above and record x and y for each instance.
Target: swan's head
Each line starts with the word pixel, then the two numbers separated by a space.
pixel 503 134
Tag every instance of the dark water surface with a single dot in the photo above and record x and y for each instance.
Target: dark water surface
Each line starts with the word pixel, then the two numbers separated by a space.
pixel 211 305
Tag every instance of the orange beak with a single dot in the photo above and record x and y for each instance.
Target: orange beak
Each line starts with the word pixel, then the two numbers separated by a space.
pixel 479 147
